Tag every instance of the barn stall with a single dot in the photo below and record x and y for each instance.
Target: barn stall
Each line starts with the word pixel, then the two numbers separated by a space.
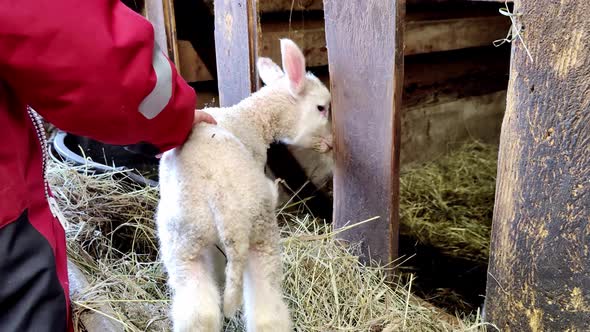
pixel 417 132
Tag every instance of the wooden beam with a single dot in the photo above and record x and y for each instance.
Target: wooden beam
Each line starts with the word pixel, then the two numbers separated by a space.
pixel 161 14
pixel 539 272
pixel 454 34
pixel 445 77
pixel 365 39
pixel 273 6
pixel 426 32
pixel 457 10
pixel 281 6
pixel 170 25
pixel 154 12
pixel 192 67
pixel 236 46
pixel 421 36
pixel 436 78
pixel 309 36
pixel 448 98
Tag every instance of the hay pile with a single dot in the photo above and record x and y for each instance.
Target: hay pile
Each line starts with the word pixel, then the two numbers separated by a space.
pixel 448 203
pixel 111 238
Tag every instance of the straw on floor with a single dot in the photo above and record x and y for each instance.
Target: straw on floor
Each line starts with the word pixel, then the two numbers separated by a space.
pixel 111 238
pixel 448 203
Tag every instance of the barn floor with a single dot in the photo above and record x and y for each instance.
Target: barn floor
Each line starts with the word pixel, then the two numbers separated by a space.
pixel 111 238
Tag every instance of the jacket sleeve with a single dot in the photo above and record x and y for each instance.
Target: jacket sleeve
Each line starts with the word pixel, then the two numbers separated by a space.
pixel 92 68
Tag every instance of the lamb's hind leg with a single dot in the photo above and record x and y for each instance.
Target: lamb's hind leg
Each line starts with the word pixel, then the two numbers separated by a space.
pixel 186 247
pixel 196 299
pixel 265 307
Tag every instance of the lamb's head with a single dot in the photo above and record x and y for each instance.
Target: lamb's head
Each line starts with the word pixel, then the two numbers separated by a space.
pixel 308 112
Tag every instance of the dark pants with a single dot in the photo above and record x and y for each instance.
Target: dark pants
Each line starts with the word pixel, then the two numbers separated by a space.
pixel 31 296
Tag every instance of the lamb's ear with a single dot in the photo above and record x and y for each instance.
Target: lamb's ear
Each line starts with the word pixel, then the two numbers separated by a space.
pixel 268 70
pixel 293 65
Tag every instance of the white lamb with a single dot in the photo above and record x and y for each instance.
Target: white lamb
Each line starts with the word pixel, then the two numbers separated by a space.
pixel 214 190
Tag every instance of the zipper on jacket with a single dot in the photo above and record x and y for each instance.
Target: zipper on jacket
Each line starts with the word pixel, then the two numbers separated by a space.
pixel 42 137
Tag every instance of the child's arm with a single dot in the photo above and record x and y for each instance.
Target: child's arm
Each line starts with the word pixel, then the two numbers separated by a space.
pixel 92 69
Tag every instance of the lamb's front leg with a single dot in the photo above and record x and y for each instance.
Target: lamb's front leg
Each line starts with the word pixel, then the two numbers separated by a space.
pixel 265 307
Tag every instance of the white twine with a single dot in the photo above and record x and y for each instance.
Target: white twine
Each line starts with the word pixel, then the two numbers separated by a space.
pixel 514 32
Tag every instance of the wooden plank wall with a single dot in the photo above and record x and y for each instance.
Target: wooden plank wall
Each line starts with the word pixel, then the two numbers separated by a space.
pixel 424 34
pixel 450 98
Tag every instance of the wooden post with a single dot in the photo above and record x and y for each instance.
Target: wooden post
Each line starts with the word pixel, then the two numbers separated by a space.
pixel 236 40
pixel 539 272
pixel 161 14
pixel 154 12
pixel 365 55
pixel 170 24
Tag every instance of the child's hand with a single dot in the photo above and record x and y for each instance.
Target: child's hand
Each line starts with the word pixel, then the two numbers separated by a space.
pixel 200 116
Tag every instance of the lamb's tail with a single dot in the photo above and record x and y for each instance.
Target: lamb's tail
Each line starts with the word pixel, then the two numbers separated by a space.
pixel 235 240
pixel 237 256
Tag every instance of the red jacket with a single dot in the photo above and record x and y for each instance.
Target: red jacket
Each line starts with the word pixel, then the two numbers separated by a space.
pixel 91 68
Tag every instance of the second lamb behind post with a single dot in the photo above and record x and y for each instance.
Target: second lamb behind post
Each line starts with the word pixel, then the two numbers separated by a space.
pixel 213 189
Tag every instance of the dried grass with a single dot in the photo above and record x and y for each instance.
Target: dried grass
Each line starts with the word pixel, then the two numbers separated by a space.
pixel 111 237
pixel 448 203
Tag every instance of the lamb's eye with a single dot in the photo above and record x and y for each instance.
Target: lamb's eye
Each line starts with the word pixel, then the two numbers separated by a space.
pixel 321 108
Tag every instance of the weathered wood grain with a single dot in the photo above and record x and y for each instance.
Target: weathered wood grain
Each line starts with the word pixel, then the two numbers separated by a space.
pixel 310 36
pixel 445 77
pixel 170 24
pixel 431 130
pixel 539 273
pixel 192 67
pixel 196 24
pixel 428 31
pixel 236 47
pixel 154 12
pixel 365 51
pixel 454 34
pixel 273 6
pixel 421 36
